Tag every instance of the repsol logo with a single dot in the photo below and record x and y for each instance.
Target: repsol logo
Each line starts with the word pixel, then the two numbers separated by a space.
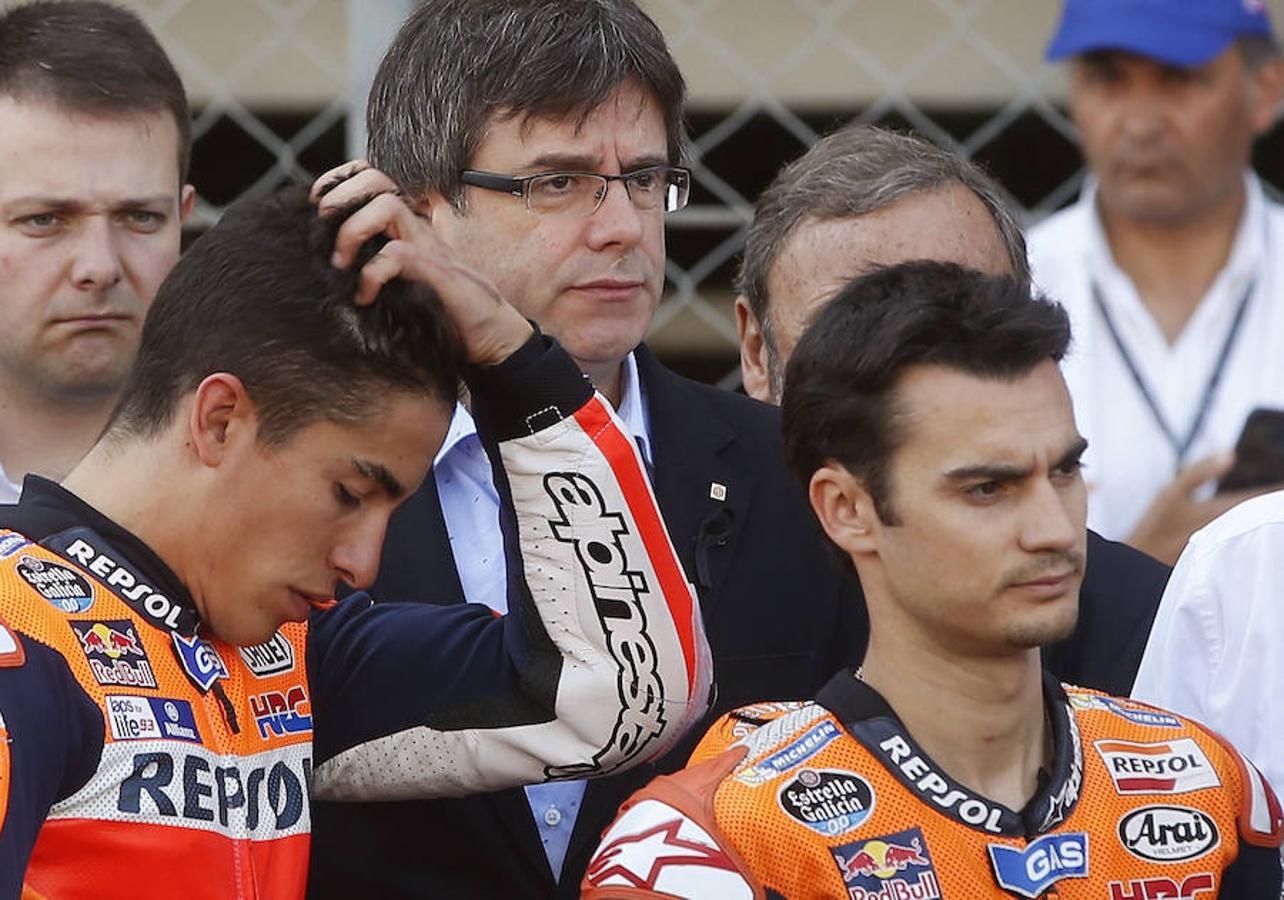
pixel 1178 766
pixel 919 774
pixel 142 596
pixel 266 799
pixel 617 588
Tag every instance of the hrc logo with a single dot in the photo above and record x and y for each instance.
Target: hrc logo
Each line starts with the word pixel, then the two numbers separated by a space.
pixel 279 714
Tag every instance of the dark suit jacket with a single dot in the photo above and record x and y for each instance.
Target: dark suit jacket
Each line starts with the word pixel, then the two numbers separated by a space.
pixel 1117 606
pixel 781 618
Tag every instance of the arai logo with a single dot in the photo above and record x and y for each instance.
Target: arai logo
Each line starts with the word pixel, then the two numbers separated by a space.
pixel 1168 833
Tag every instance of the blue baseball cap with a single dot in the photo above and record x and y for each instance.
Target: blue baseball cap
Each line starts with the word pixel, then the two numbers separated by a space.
pixel 1184 33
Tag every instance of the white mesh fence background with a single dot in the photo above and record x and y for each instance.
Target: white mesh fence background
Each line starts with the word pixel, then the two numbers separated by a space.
pixel 240 57
pixel 946 27
pixel 746 59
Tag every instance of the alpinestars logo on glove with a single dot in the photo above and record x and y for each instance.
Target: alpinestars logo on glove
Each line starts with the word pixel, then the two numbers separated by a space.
pixel 595 532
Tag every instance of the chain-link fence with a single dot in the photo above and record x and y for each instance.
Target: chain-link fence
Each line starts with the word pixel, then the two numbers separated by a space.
pixel 278 92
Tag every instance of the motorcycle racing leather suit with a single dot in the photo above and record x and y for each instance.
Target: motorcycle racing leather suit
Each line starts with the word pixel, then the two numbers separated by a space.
pixel 834 799
pixel 143 757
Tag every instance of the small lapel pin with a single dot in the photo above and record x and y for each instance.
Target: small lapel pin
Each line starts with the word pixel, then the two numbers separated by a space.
pixel 717 491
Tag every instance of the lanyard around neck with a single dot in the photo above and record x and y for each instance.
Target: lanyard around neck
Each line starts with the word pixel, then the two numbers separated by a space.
pixel 1181 446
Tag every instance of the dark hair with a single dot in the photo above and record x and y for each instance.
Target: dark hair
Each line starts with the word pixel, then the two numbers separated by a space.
pixel 455 65
pixel 840 388
pixel 256 297
pixel 92 58
pixel 853 172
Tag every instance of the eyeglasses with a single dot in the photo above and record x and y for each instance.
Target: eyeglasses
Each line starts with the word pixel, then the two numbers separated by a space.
pixel 655 187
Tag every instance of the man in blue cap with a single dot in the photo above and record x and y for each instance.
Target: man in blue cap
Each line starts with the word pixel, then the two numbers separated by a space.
pixel 1172 261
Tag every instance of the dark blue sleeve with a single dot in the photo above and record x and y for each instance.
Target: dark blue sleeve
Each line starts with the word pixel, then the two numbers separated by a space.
pixel 55 739
pixel 380 668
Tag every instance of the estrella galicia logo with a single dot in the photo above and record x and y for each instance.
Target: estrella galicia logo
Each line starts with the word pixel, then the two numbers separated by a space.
pixel 893 865
pixel 199 660
pixel 115 653
pixel 11 543
pixel 1029 871
pixel 831 802
pixel 66 589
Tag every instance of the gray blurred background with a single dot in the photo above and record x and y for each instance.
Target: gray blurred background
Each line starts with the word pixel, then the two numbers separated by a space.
pixel 278 92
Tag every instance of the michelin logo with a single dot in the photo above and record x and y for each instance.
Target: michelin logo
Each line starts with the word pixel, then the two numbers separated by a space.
pixel 795 754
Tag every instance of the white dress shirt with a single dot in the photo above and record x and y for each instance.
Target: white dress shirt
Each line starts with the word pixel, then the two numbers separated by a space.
pixel 470 506
pixel 1216 651
pixel 8 490
pixel 1129 458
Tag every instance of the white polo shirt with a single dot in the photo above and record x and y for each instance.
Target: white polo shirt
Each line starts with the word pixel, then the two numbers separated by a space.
pixel 1216 651
pixel 1129 457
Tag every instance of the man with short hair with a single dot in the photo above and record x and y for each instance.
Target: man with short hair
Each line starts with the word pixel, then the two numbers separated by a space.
pixel 94 148
pixel 1169 263
pixel 542 139
pixel 859 198
pixel 926 418
pixel 864 197
pixel 158 684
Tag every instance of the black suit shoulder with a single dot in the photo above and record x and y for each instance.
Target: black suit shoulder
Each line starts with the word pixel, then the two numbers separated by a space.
pixel 781 614
pixel 1117 605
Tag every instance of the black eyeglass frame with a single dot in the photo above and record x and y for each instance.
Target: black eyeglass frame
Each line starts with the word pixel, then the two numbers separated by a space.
pixel 520 186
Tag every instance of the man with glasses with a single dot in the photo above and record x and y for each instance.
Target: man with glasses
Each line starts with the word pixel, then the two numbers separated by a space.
pixel 507 126
pixel 582 193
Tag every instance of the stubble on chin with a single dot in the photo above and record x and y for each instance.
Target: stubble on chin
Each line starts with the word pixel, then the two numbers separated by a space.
pixel 1045 626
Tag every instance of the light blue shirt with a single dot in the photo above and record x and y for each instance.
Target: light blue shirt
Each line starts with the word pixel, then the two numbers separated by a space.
pixel 470 506
pixel 8 490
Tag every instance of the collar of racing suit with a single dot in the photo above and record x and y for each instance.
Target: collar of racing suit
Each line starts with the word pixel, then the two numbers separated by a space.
pixel 60 521
pixel 873 722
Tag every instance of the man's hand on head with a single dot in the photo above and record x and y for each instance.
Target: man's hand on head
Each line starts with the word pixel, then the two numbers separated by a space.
pixel 491 328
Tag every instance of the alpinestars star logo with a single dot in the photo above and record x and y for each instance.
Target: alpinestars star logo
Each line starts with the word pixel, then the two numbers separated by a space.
pixel 640 858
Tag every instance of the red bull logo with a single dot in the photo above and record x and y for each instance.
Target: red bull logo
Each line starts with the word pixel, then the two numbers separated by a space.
pixel 115 653
pixel 102 638
pixel 882 859
pixel 896 866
